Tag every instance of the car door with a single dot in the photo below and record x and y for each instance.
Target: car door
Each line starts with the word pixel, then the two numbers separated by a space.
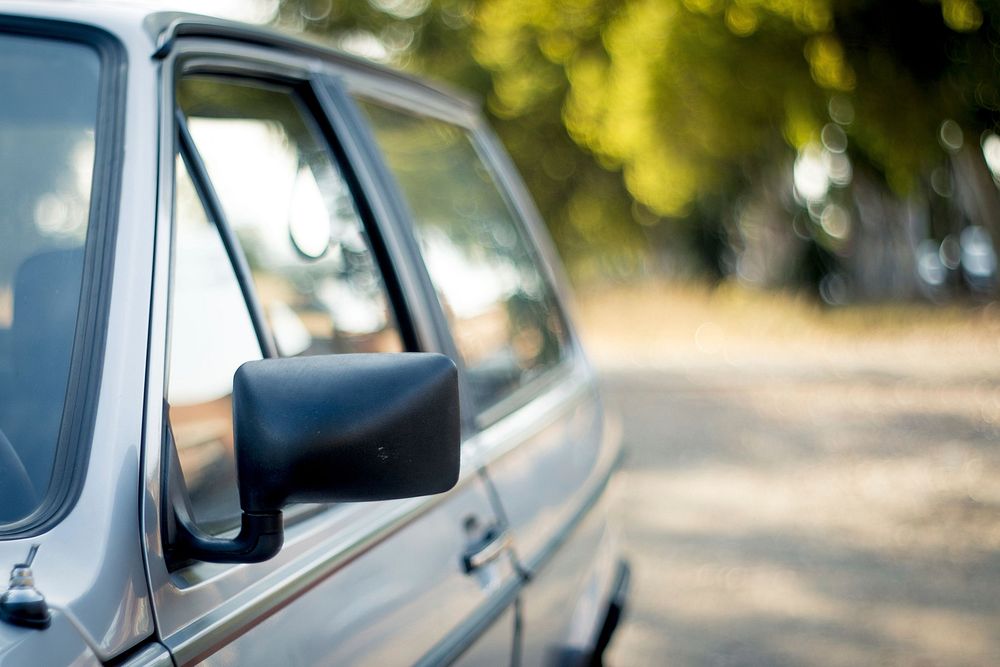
pixel 536 421
pixel 272 242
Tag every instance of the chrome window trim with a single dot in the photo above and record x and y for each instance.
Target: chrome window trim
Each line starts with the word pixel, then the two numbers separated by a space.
pixel 527 393
pixel 571 387
pixel 465 635
pixel 153 654
pixel 402 98
pixel 594 494
pixel 502 440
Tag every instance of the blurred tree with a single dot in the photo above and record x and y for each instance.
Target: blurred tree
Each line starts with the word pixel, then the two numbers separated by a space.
pixel 586 205
pixel 707 111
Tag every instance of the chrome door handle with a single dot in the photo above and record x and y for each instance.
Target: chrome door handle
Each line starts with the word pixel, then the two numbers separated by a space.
pixel 488 549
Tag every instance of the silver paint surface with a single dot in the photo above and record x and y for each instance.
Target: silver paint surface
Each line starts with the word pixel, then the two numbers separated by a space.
pixel 375 583
pixel 90 565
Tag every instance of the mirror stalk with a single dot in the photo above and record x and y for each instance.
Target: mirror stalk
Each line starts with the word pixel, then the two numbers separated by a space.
pixel 259 539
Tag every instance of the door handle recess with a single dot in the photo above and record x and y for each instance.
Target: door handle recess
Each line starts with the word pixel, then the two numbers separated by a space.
pixel 493 543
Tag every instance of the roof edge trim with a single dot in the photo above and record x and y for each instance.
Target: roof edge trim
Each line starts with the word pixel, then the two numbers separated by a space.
pixel 166 27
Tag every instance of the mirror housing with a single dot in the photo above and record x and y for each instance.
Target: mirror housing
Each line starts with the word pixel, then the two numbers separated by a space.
pixel 336 428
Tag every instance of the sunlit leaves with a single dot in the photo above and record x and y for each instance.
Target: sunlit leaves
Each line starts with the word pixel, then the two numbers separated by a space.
pixel 826 61
pixel 961 15
pixel 681 101
pixel 689 106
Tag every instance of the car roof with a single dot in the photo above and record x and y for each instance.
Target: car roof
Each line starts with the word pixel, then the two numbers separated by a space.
pixel 164 28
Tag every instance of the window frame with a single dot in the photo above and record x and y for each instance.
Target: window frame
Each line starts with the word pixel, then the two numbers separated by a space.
pixel 203 606
pixel 72 451
pixel 523 214
pixel 307 89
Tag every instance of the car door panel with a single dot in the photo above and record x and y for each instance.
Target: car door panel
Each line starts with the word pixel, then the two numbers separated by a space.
pixel 540 429
pixel 387 588
pixel 371 583
pixel 550 465
pixel 490 649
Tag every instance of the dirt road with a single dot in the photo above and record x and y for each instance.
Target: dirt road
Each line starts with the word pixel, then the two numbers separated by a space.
pixel 810 516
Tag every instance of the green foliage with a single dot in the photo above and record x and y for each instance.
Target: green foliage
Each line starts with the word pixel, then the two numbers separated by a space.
pixel 585 204
pixel 689 106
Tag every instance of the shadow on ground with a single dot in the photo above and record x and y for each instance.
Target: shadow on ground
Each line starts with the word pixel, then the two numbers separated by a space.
pixel 809 518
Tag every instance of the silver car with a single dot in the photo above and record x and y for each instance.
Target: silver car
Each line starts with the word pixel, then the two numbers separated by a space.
pixel 286 374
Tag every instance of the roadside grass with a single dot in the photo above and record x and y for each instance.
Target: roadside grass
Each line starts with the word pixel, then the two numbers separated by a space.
pixel 670 324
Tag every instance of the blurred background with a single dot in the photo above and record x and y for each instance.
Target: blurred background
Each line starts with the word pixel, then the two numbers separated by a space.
pixel 781 219
pixel 843 149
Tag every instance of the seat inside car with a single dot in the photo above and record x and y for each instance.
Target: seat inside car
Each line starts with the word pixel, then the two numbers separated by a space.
pixel 46 300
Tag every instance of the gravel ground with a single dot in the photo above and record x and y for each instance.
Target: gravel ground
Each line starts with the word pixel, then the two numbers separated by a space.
pixel 809 513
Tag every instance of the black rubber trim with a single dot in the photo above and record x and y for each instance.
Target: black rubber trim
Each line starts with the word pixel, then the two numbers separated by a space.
pixel 167 28
pixel 213 207
pixel 614 614
pixel 396 200
pixel 141 654
pixel 87 361
pixel 333 106
pixel 320 115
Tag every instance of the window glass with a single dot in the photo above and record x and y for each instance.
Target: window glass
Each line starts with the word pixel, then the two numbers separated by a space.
pixel 295 220
pixel 48 112
pixel 503 315
pixel 211 334
pixel 294 215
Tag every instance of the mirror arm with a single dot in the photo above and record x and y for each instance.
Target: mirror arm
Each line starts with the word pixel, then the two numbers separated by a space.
pixel 259 539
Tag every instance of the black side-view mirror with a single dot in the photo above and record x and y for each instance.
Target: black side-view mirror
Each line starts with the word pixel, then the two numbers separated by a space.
pixel 338 428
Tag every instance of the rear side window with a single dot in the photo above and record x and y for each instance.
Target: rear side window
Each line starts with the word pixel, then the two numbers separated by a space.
pixel 504 316
pixel 48 114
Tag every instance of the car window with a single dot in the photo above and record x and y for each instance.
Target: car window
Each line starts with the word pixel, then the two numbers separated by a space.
pixel 296 222
pixel 503 314
pixel 48 112
pixel 211 334
pixel 294 215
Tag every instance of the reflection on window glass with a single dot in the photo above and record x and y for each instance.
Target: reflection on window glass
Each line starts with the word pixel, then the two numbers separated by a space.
pixel 294 216
pixel 48 111
pixel 503 315
pixel 211 334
